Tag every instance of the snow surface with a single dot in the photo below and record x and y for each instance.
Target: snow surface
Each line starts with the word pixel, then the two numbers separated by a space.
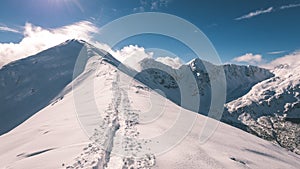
pixel 28 85
pixel 271 109
pixel 132 116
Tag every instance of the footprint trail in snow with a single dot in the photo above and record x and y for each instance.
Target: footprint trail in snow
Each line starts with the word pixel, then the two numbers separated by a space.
pixel 115 143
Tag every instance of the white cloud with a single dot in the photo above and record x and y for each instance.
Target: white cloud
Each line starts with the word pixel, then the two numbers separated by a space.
pixel 268 10
pixel 173 62
pixel 292 60
pixel 154 5
pixel 37 39
pixel 290 6
pixel 249 58
pixel 144 5
pixel 8 29
pixel 255 13
pixel 139 9
pixel 131 55
pixel 276 52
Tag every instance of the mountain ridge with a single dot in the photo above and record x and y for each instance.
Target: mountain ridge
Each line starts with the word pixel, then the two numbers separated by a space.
pixel 163 78
pixel 54 138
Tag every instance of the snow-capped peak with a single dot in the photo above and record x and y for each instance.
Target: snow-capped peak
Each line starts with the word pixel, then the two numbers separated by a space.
pixel 32 82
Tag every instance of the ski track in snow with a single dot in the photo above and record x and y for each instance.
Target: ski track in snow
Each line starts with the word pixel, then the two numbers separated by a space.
pixel 117 128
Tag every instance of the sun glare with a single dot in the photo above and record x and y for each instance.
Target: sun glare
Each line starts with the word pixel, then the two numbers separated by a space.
pixel 66 3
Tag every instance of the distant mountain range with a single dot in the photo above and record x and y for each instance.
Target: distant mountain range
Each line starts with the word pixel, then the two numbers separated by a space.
pixel 260 101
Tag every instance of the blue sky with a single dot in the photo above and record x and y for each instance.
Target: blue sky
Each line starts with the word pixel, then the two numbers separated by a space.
pixel 258 30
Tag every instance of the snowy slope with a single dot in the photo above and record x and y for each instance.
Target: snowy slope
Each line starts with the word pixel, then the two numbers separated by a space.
pixel 29 84
pixel 271 109
pixel 54 137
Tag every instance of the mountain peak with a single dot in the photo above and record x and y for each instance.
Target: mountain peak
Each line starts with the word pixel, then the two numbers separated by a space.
pixel 52 68
pixel 72 41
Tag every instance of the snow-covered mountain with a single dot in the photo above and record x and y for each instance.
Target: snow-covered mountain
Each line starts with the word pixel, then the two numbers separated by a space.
pixel 239 80
pixel 259 101
pixel 28 85
pixel 45 129
pixel 271 109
